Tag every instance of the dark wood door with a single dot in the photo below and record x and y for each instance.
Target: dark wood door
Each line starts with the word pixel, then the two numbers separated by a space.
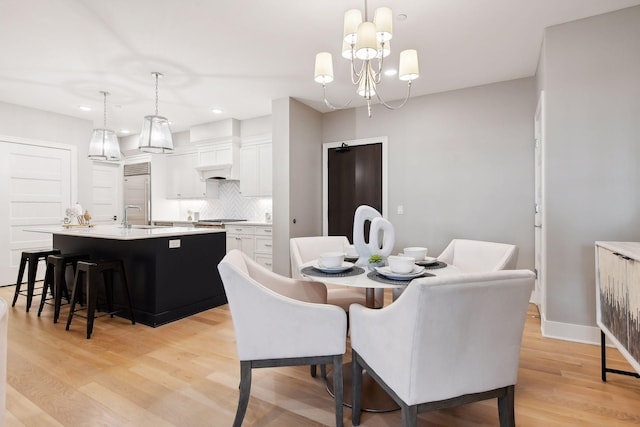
pixel 354 179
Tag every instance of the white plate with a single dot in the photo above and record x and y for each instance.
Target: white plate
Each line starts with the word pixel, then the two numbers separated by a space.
pixel 338 269
pixel 386 272
pixel 426 261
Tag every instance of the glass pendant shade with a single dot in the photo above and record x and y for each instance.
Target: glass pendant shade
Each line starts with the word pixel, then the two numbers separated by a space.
pixel 104 145
pixel 155 136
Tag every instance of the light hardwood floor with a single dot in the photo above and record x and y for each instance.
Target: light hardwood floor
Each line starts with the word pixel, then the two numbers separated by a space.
pixel 186 374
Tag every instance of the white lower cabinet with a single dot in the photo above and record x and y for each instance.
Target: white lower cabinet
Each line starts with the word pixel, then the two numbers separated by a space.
pixel 254 241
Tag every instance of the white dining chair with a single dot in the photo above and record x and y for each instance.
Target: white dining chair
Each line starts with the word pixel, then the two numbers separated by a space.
pixel 306 249
pixel 279 321
pixel 477 256
pixel 445 342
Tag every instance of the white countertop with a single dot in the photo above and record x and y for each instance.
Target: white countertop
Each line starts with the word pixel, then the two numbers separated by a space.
pixel 116 232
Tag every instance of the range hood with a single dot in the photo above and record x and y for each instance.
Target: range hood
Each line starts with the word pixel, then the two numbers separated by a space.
pixel 221 171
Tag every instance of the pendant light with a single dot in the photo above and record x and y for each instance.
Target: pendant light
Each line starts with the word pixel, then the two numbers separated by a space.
pixel 104 144
pixel 155 136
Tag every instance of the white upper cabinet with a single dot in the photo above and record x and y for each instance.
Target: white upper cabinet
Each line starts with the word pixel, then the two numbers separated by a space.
pixel 183 180
pixel 256 170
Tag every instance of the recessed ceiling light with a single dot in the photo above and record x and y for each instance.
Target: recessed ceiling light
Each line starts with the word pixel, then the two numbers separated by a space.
pixel 401 17
pixel 216 111
pixel 125 131
pixel 84 107
pixel 391 72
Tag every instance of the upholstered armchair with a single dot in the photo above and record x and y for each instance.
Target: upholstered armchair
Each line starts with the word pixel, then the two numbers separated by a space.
pixel 476 256
pixel 444 342
pixel 305 249
pixel 277 322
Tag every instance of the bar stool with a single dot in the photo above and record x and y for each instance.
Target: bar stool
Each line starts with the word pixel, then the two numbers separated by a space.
pixel 33 258
pixel 95 273
pixel 56 282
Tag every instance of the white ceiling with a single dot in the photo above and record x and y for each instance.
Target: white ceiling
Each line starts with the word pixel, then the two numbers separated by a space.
pixel 239 55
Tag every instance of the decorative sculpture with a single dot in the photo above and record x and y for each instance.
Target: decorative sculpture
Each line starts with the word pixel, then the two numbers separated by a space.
pixel 381 234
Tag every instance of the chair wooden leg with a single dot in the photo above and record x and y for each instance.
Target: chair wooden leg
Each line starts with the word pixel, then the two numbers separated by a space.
pixel 338 389
pixel 356 390
pixel 409 415
pixel 245 389
pixel 506 406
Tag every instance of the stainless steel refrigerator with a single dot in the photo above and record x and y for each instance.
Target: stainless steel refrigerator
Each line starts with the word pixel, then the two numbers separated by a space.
pixel 137 192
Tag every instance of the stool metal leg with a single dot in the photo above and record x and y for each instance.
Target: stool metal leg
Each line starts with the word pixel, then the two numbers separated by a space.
pixel 126 292
pixel 31 279
pixel 23 262
pixel 77 284
pixel 48 284
pixel 59 282
pixel 93 275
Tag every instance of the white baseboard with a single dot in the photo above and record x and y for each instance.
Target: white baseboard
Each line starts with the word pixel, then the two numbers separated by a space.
pixel 570 332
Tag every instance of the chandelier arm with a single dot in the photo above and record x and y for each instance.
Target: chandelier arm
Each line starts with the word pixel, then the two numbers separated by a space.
pixel 357 76
pixel 395 107
pixel 329 104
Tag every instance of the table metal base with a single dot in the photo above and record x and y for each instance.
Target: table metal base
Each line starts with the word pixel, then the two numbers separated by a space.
pixel 374 398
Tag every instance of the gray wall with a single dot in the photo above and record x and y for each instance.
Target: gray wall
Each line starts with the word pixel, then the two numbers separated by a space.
pixel 591 78
pixel 460 163
pixel 42 125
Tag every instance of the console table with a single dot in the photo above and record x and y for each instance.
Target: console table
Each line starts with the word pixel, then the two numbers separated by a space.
pixel 618 301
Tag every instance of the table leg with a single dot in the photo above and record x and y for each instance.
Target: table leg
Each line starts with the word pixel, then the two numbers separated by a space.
pixel 370 297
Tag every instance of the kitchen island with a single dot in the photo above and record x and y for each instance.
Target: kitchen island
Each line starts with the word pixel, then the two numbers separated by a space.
pixel 172 271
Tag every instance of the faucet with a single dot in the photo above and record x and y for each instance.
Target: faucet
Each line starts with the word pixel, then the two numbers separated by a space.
pixel 125 221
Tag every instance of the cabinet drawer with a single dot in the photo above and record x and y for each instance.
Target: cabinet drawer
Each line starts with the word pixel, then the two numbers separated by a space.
pixel 239 229
pixel 263 231
pixel 263 244
pixel 265 260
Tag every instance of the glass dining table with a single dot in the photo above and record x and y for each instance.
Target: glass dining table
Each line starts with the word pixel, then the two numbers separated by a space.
pixel 374 398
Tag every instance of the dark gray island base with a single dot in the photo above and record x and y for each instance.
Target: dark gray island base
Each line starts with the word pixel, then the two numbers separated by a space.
pixel 166 284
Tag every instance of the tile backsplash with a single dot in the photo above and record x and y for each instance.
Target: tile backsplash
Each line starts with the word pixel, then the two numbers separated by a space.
pixel 230 204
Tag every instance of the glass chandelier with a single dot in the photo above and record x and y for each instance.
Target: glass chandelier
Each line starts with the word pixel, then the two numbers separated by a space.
pixel 155 136
pixel 368 42
pixel 104 143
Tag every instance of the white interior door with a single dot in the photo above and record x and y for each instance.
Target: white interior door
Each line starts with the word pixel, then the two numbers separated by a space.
pixel 35 190
pixel 107 192
pixel 539 293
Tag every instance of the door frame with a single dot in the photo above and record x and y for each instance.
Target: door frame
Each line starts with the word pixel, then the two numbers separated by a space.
pixel 539 294
pixel 326 146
